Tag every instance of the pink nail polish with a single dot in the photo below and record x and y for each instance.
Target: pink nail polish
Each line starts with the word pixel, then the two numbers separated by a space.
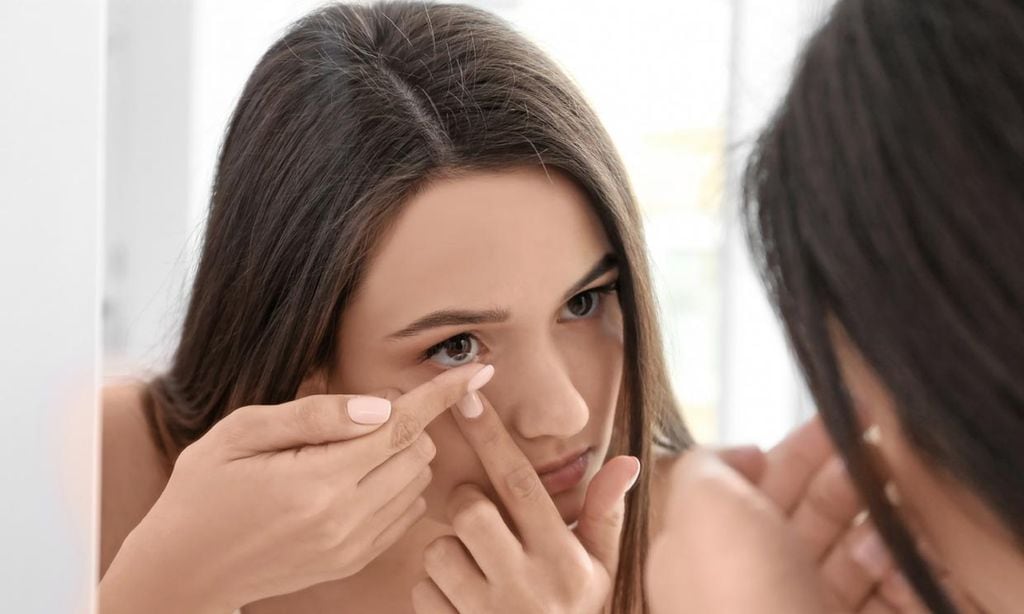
pixel 636 475
pixel 368 410
pixel 871 554
pixel 480 379
pixel 470 405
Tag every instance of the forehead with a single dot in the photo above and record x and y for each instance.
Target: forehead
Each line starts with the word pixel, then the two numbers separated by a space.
pixel 482 240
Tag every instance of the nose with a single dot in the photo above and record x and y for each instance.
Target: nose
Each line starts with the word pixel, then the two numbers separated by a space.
pixel 541 399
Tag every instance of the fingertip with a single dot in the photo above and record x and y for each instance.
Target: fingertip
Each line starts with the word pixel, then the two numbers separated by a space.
pixel 482 377
pixel 635 474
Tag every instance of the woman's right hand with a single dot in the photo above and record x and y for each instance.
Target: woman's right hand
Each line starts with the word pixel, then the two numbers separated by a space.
pixel 277 498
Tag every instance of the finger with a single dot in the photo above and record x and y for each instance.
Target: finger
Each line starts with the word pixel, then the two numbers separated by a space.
pixel 898 594
pixel 381 484
pixel 387 538
pixel 855 566
pixel 428 599
pixel 748 461
pixel 413 411
pixel 453 571
pixel 309 421
pixel 515 480
pixel 483 532
pixel 600 521
pixel 790 465
pixel 876 605
pixel 828 507
pixel 386 515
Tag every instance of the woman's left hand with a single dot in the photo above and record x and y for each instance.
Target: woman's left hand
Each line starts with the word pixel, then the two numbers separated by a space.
pixel 539 566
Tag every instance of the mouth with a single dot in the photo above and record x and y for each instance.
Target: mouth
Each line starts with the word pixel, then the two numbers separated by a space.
pixel 565 473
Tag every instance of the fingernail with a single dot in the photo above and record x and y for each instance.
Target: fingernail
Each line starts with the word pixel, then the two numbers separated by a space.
pixel 873 435
pixel 470 405
pixel 369 410
pixel 871 554
pixel 860 518
pixel 892 494
pixel 636 474
pixel 480 379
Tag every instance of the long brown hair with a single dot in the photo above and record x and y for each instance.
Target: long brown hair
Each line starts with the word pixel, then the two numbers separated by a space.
pixel 888 195
pixel 349 113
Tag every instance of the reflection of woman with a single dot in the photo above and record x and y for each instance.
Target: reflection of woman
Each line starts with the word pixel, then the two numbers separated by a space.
pixel 887 210
pixel 405 193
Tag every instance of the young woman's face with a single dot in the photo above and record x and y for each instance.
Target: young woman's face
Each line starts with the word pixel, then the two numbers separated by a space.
pixel 511 269
pixel 967 538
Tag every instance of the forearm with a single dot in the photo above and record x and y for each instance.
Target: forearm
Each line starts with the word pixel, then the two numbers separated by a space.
pixel 140 579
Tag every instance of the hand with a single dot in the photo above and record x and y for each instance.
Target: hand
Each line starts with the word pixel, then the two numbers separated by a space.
pixel 805 478
pixel 276 498
pixel 539 564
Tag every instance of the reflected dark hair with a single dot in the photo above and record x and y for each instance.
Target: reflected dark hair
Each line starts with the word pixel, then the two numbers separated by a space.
pixel 344 118
pixel 888 194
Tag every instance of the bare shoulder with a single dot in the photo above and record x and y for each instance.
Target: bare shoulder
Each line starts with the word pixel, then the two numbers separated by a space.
pixel 662 467
pixel 133 470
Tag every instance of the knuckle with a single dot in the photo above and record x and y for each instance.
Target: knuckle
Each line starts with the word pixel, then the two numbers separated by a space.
pixel 405 429
pixel 523 483
pixel 310 420
pixel 438 552
pixel 425 447
pixel 472 516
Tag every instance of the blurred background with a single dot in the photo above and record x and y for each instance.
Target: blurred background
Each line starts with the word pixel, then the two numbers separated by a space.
pixel 111 116
pixel 681 86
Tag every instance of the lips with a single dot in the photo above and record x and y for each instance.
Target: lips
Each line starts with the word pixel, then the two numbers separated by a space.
pixel 565 473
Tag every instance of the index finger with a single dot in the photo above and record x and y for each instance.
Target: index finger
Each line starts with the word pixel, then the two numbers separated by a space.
pixel 514 478
pixel 791 464
pixel 414 410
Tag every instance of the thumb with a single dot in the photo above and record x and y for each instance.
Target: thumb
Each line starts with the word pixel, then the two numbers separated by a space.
pixel 604 508
pixel 307 421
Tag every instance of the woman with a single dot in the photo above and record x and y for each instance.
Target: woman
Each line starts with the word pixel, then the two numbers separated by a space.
pixel 886 204
pixel 405 193
pixel 404 189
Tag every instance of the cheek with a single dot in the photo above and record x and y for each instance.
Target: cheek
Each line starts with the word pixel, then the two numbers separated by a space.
pixel 455 463
pixel 595 356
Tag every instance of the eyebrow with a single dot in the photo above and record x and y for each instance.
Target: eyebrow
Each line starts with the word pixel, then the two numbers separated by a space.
pixel 463 317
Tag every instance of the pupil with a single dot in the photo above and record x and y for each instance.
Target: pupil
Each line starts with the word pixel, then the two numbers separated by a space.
pixel 582 305
pixel 458 347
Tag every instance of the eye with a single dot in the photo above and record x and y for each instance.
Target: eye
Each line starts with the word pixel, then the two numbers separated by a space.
pixel 455 351
pixel 586 303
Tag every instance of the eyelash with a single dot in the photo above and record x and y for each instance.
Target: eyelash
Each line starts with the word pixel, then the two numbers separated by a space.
pixel 605 290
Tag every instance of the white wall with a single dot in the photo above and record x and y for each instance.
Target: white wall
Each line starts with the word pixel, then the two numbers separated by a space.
pixel 762 395
pixel 51 136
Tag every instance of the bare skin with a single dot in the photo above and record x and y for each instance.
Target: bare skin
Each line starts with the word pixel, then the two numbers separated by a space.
pixel 524 249
pixel 973 554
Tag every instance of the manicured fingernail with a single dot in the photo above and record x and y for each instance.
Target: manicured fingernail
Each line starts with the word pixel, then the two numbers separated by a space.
pixel 871 554
pixel 893 494
pixel 873 435
pixel 480 379
pixel 860 518
pixel 636 474
pixel 470 405
pixel 369 410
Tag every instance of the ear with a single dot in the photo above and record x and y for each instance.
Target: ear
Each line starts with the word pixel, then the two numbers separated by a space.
pixel 315 382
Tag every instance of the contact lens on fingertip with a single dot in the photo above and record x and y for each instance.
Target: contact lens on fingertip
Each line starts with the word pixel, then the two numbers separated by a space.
pixel 481 378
